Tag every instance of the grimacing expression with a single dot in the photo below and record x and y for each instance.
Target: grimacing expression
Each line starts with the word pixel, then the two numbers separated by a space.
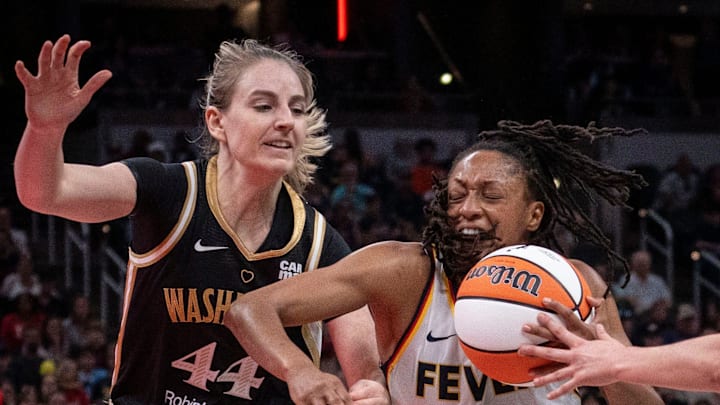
pixel 487 190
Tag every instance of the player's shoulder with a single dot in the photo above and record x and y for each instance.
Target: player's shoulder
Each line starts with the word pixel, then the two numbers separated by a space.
pixel 593 278
pixel 396 255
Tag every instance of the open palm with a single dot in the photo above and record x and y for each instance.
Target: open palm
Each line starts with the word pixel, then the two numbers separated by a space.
pixel 53 97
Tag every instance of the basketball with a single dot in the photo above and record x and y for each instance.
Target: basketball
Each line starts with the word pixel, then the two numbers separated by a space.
pixel 503 291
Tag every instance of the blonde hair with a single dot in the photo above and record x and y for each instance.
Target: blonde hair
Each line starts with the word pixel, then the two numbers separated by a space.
pixel 231 61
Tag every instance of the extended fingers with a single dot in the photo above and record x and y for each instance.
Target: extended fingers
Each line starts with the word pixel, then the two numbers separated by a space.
pixel 565 388
pixel 559 330
pixel 545 352
pixel 74 55
pixel 44 58
pixel 58 52
pixel 22 73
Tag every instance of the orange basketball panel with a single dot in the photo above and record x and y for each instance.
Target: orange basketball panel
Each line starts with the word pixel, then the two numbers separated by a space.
pixel 513 279
pixel 506 367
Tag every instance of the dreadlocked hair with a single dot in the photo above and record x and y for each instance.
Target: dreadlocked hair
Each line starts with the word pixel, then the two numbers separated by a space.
pixel 558 174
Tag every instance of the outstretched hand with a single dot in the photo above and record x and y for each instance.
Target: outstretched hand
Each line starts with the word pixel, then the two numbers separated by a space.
pixel 53 97
pixel 588 362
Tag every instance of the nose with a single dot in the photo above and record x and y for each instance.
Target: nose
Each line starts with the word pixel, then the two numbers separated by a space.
pixel 284 119
pixel 471 208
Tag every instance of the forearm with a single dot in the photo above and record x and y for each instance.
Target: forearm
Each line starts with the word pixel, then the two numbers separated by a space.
pixel 263 337
pixel 688 365
pixel 630 394
pixel 353 339
pixel 38 167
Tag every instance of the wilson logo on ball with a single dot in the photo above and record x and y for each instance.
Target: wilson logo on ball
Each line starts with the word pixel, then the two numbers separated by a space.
pixel 519 279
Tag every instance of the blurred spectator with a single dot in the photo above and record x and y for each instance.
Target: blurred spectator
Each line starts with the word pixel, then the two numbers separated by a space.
pixel 78 321
pixel 90 374
pixel 344 219
pixel 350 189
pixel 678 187
pixel 424 167
pixel 628 318
pixel 51 299
pixel 57 398
pixel 23 281
pixel 400 161
pixel 28 395
pixel 54 339
pixel 650 334
pixel 70 385
pixel 317 194
pixel 14 323
pixel 9 254
pixel 686 326
pixel 19 236
pixel 644 288
pixel 404 203
pixel 25 365
pixel 370 170
pixel 96 342
pixel 48 387
pixel 654 325
pixel 707 231
pixel 8 392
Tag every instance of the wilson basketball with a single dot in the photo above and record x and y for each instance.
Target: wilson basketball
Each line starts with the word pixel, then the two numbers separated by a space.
pixel 503 291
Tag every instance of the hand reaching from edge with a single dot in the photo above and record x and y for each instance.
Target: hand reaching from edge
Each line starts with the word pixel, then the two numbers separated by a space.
pixel 588 362
pixel 53 97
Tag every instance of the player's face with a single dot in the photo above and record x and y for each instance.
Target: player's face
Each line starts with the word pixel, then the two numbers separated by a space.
pixel 488 190
pixel 264 127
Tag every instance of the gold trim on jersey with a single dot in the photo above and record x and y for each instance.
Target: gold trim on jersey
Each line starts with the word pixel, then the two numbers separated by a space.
pixel 129 285
pixel 136 261
pixel 313 332
pixel 298 215
pixel 318 240
pixel 158 252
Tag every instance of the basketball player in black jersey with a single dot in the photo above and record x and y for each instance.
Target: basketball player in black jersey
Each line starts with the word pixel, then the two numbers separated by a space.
pixel 204 232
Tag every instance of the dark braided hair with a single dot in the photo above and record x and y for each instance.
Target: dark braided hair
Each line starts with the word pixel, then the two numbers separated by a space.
pixel 558 174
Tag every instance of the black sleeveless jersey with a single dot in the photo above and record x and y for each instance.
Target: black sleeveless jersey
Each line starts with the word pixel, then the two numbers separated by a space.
pixel 186 266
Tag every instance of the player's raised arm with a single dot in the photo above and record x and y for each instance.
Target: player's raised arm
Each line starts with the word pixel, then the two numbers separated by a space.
pixel 54 98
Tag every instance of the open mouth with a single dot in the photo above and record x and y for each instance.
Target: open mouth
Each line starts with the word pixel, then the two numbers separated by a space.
pixel 279 144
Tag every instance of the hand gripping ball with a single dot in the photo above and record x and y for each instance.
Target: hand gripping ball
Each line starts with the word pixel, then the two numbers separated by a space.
pixel 503 291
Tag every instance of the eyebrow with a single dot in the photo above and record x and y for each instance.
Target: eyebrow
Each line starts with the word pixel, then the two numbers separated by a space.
pixel 271 94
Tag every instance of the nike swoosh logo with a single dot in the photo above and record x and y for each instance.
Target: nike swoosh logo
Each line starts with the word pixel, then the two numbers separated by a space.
pixel 199 247
pixel 431 338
